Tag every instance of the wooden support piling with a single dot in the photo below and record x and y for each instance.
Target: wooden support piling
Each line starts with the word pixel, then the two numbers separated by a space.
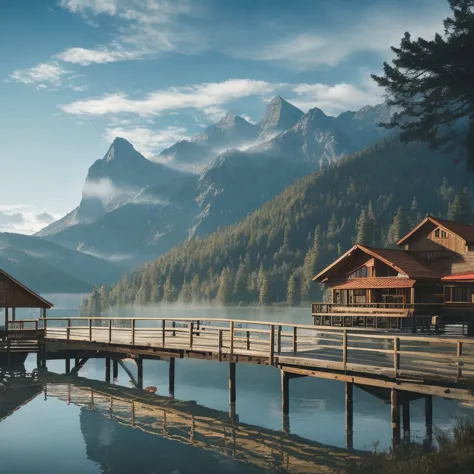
pixel 272 344
pixel 429 417
pixel 395 409
pixel 171 376
pixel 349 407
pixel 406 417
pixel 279 340
pixel 68 365
pixel 232 384
pixel 285 392
pixel 459 363
pixel 107 368
pixel 139 363
pixel 115 369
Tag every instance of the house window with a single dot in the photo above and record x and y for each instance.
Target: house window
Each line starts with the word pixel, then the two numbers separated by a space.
pixel 457 294
pixel 360 296
pixel 440 234
pixel 361 272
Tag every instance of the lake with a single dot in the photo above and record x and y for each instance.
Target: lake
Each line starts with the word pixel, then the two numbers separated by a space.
pixel 48 434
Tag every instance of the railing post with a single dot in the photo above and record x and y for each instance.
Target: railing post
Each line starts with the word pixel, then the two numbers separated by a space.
pixel 232 341
pixel 174 325
pixel 219 344
pixel 459 355
pixel 344 348
pixel 272 344
pixel 396 355
pixel 295 339
pixel 68 328
pixel 163 332
pixel 90 329
pixel 191 329
pixel 248 341
pixel 110 331
pixel 133 332
pixel 279 339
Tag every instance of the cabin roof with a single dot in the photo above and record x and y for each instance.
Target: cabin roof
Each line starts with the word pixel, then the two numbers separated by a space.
pixel 465 231
pixel 402 261
pixel 468 276
pixel 376 282
pixel 39 302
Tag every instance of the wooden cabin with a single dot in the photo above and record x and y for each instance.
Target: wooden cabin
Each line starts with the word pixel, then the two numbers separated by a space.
pixel 430 274
pixel 14 295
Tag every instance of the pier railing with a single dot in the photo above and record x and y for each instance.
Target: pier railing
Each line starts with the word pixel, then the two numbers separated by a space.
pixel 348 350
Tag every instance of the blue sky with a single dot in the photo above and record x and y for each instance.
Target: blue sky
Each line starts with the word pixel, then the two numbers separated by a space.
pixel 76 73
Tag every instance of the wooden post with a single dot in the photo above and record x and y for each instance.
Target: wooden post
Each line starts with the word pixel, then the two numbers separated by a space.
pixel 191 330
pixel 406 417
pixel 219 344
pixel 13 314
pixel 68 329
pixel 110 331
pixel 413 322
pixel 133 332
pixel 272 344
pixel 349 407
pixel 171 376
pixel 115 369
pixel 133 413
pixel 163 332
pixel 68 365
pixel 107 369
pixel 174 326
pixel 232 388
pixel 90 329
pixel 459 363
pixel 248 341
pixel 139 362
pixel 279 340
pixel 396 355
pixel 295 340
pixel 285 393
pixel 6 319
pixel 232 341
pixel 395 408
pixel 344 349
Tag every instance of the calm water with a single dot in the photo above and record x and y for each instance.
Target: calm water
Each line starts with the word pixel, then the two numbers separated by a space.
pixel 48 435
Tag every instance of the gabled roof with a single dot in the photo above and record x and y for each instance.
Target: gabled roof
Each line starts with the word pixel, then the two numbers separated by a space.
pixel 465 231
pixel 40 302
pixel 400 260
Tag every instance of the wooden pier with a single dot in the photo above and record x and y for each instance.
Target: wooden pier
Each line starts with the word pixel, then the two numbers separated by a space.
pixel 397 368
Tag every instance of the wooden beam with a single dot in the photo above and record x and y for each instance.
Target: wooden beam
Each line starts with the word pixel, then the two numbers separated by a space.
pixel 349 407
pixel 171 376
pixel 232 383
pixel 107 369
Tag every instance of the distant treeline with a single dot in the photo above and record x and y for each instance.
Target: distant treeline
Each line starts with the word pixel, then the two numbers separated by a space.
pixel 373 197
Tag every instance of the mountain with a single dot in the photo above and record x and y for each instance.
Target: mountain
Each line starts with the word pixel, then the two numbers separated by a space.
pixel 320 139
pixel 47 267
pixel 116 179
pixel 134 209
pixel 231 131
pixel 279 116
pixel 304 228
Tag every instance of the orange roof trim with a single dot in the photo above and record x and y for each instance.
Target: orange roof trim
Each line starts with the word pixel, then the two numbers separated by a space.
pixel 374 282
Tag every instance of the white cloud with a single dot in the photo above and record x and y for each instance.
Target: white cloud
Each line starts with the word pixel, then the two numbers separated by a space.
pixel 336 98
pixel 200 96
pixel 102 189
pixel 213 113
pixel 84 57
pixel 375 31
pixel 146 141
pixel 24 219
pixel 95 7
pixel 43 75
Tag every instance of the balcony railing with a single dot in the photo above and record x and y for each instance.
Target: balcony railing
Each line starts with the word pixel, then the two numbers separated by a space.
pixel 357 307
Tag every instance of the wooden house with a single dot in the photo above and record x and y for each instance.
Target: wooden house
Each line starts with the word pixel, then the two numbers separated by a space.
pixel 13 295
pixel 430 274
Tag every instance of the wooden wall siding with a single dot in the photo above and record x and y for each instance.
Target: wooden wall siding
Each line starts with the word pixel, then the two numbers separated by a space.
pixel 464 264
pixel 428 242
pixel 13 295
pixel 350 264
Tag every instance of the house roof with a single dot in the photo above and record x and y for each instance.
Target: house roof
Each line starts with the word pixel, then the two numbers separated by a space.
pixel 402 261
pixel 468 276
pixel 465 231
pixel 39 302
pixel 376 282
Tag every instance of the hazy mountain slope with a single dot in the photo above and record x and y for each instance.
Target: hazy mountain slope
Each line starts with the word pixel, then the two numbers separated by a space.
pixel 279 116
pixel 277 237
pixel 116 180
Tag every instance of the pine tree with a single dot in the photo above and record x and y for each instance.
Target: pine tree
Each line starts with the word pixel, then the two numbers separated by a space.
pixel 93 303
pixel 332 225
pixel 241 282
pixel 224 293
pixel 399 227
pixel 292 290
pixel 186 295
pixel 430 98
pixel 264 293
pixel 168 290
pixel 311 263
pixel 363 228
pixel 196 288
